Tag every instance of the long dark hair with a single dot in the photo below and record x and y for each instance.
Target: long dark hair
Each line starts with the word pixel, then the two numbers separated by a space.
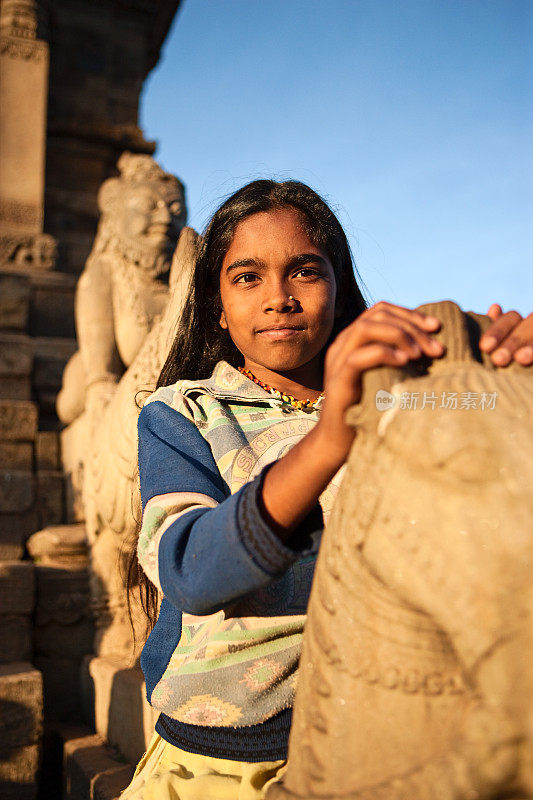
pixel 200 342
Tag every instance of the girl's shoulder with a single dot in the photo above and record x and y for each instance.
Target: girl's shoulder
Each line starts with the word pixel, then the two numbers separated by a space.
pixel 177 397
pixel 226 384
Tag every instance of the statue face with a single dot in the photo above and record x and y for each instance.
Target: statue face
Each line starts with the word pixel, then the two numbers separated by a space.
pixel 151 216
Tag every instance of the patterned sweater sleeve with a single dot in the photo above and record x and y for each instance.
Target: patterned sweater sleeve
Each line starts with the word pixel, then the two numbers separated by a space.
pixel 201 546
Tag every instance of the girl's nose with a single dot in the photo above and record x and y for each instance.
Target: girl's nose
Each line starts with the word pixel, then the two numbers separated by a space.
pixel 279 300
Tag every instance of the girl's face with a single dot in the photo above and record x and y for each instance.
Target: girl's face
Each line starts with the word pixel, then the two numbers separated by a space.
pixel 270 259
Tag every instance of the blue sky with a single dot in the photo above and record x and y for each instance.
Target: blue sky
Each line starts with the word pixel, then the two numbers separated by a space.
pixel 412 118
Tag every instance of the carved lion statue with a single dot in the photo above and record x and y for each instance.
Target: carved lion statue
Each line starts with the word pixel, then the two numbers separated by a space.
pixel 416 675
pixel 128 303
pixel 110 477
pixel 124 286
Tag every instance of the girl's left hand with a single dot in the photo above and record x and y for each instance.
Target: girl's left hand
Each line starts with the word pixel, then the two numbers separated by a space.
pixel 509 338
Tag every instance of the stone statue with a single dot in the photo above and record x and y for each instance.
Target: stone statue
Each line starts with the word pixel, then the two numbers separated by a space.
pixel 128 301
pixel 416 676
pixel 110 485
pixel 124 286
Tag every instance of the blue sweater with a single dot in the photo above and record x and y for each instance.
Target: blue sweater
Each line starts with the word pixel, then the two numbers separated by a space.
pixel 221 662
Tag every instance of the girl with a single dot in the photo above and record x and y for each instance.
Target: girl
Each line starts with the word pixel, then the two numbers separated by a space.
pixel 238 472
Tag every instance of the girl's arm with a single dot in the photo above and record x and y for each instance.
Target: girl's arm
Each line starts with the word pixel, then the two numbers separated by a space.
pixel 382 335
pixel 200 546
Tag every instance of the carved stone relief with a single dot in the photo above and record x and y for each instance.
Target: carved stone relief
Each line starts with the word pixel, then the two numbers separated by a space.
pixel 19 23
pixel 35 252
pixel 416 676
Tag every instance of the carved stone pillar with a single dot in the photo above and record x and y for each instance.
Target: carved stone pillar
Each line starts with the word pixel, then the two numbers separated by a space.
pixel 24 61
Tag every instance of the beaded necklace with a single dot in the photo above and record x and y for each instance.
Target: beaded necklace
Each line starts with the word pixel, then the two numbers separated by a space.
pixel 302 405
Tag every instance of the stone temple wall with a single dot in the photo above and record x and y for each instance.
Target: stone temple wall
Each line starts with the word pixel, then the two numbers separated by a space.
pixel 71 72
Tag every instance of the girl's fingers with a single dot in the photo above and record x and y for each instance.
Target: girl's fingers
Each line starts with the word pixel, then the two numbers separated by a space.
pixel 515 344
pixel 524 355
pixel 417 318
pixel 508 334
pixel 367 357
pixel 501 325
pixel 422 322
pixel 382 335
pixel 494 311
pixel 376 355
pixel 425 340
pixel 372 355
pixel 390 329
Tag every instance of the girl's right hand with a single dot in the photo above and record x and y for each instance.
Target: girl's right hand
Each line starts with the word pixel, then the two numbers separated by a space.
pixel 383 335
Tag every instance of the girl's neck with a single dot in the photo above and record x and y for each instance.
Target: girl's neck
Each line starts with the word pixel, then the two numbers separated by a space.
pixel 303 383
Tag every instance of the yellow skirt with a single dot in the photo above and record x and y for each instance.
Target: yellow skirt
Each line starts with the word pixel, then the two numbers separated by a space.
pixel 167 773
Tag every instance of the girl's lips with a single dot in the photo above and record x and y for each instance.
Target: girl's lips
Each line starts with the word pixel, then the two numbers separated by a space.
pixel 280 333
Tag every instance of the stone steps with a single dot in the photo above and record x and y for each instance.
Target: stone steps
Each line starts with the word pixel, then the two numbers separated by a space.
pixel 21 720
pixel 32 486
pixel 122 714
pixel 37 301
pixel 92 770
pixel 78 765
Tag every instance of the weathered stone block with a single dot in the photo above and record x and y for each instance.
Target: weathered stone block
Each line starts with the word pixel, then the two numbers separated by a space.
pixel 19 768
pixel 47 450
pixel 51 354
pixel 53 744
pixel 92 771
pixel 15 387
pixel 16 639
pixel 14 531
pixel 70 641
pixel 17 588
pixel 18 420
pixel 63 619
pixel 122 714
pixel 50 497
pixel 61 687
pixel 21 700
pixel 52 305
pixel 16 455
pixel 46 399
pixel 14 301
pixel 16 354
pixel 64 547
pixel 50 358
pixel 16 491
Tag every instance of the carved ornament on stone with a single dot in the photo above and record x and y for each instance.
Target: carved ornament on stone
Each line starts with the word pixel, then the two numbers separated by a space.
pixel 35 252
pixel 19 24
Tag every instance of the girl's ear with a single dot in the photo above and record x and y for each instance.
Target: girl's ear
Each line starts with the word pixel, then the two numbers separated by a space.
pixel 222 321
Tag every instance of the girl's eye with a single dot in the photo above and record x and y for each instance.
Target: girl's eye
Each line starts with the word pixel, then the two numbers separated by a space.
pixel 246 277
pixel 307 272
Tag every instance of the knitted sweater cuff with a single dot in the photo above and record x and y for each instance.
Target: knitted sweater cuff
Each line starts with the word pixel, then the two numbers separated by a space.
pixel 258 538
